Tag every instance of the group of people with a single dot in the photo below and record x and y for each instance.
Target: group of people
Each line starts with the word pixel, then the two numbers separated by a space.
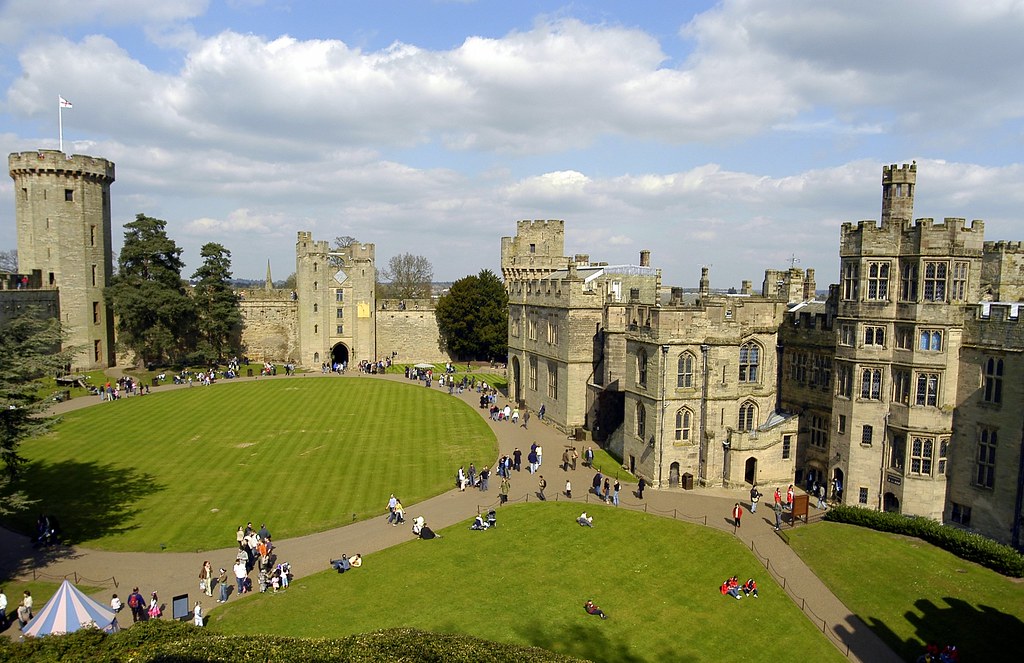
pixel 47 531
pixel 24 611
pixel 604 488
pixel 141 609
pixel 480 524
pixel 732 587
pixel 471 478
pixel 421 530
pixel 346 563
pixel 396 512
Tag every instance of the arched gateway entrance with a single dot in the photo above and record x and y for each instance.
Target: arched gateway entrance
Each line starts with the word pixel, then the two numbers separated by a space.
pixel 339 354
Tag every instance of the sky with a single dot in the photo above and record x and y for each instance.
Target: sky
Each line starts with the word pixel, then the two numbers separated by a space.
pixel 737 135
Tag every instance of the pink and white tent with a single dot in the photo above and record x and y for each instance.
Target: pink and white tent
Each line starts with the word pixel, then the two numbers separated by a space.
pixel 68 611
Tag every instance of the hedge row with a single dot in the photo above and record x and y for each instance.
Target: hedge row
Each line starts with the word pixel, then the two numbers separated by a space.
pixel 965 545
pixel 179 642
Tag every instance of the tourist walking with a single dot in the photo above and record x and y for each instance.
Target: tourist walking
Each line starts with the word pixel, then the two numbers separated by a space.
pixel 778 516
pixel 737 513
pixel 137 605
pixel 615 493
pixel 505 486
pixel 206 579
pixel 755 497
pixel 542 484
pixel 640 488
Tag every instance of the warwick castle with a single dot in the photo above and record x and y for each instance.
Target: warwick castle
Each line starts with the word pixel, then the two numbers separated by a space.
pixel 900 390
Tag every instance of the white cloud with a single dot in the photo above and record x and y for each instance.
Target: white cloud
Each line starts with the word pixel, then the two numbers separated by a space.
pixel 21 19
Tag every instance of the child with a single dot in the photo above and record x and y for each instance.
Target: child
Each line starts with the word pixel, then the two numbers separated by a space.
pixel 154 607
pixel 115 604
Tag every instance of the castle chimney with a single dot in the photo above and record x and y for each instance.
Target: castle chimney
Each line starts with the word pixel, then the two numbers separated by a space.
pixel 634 294
pixel 746 287
pixel 810 288
pixel 677 296
pixel 645 258
pixel 582 259
pixel 705 282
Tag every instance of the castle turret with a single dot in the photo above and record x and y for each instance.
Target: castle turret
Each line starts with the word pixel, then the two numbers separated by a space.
pixel 898 192
pixel 62 211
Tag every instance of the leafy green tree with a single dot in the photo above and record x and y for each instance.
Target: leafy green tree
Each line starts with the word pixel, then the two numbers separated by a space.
pixel 473 317
pixel 218 318
pixel 155 316
pixel 29 350
pixel 406 277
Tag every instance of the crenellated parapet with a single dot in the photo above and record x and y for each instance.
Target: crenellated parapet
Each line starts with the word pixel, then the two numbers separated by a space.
pixel 922 237
pixel 995 325
pixel 536 250
pixel 54 162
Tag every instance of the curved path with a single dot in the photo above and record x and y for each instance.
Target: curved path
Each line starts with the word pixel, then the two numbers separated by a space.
pixel 172 574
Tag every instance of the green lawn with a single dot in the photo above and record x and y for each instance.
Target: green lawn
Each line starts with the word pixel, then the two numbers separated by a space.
pixel 525 582
pixel 181 470
pixel 911 593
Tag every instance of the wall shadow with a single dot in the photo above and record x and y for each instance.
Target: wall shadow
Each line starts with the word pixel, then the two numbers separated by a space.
pixel 980 633
pixel 589 641
pixel 89 500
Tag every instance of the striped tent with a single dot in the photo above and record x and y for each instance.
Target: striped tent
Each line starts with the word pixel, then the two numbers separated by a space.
pixel 68 611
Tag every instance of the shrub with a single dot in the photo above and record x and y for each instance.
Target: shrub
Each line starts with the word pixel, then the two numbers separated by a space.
pixel 965 545
pixel 179 642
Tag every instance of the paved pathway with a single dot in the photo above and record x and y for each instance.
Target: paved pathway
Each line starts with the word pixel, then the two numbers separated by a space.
pixel 171 574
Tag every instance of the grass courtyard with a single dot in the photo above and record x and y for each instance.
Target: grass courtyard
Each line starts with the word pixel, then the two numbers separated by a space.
pixel 181 470
pixel 912 593
pixel 525 582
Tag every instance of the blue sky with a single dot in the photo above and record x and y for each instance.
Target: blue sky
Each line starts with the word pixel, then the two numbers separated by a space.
pixel 736 134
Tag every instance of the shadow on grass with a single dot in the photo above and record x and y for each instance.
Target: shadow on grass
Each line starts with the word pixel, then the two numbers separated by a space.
pixel 589 642
pixel 90 500
pixel 980 633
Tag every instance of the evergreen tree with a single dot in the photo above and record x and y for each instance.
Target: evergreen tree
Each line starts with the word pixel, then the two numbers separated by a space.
pixel 155 316
pixel 218 318
pixel 29 350
pixel 473 317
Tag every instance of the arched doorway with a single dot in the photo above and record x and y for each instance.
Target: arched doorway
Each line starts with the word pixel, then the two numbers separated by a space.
pixel 339 354
pixel 673 475
pixel 750 471
pixel 838 484
pixel 514 389
pixel 890 503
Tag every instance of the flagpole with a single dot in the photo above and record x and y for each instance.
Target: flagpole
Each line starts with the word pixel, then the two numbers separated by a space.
pixel 60 123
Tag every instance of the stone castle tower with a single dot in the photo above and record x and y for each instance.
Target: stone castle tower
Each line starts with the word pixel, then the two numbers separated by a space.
pixel 336 302
pixel 62 212
pixel 537 249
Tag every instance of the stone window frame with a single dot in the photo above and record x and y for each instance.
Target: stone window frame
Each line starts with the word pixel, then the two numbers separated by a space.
pixel 960 514
pixel 641 421
pixel 750 362
pixel 992 381
pixel 867 435
pixel 878 281
pixel 818 430
pixel 930 340
pixel 532 372
pixel 862 497
pixel 958 281
pixel 926 393
pixel 874 336
pixel 747 419
pixel 985 459
pixel 909 273
pixel 935 283
pixel 850 280
pixel 642 371
pixel 684 370
pixel 922 450
pixel 847 335
pixel 844 380
pixel 904 337
pixel 553 380
pixel 901 386
pixel 684 424
pixel 871 384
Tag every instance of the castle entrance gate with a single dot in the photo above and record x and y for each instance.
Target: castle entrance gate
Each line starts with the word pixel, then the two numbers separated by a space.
pixel 339 354
pixel 750 470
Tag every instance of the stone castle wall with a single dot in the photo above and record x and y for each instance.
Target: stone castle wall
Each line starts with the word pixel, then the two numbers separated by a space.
pixel 269 325
pixel 409 328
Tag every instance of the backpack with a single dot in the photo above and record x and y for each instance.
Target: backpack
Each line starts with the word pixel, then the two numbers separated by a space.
pixel 133 601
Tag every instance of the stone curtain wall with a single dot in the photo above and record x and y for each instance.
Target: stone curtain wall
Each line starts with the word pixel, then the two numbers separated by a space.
pixel 411 331
pixel 269 325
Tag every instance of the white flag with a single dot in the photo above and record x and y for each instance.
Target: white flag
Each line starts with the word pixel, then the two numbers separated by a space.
pixel 64 103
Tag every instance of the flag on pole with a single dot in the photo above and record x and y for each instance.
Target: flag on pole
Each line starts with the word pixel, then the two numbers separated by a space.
pixel 64 103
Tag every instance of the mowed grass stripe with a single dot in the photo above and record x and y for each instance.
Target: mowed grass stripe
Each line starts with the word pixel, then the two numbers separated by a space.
pixel 181 470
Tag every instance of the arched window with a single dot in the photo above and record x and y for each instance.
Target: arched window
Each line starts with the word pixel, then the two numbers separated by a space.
pixel 684 371
pixel 316 307
pixel 684 424
pixel 314 267
pixel 316 357
pixel 641 421
pixel 748 415
pixel 641 367
pixel 750 360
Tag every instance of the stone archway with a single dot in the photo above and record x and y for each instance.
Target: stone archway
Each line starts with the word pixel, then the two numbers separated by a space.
pixel 838 484
pixel 339 354
pixel 750 471
pixel 515 389
pixel 673 475
pixel 890 503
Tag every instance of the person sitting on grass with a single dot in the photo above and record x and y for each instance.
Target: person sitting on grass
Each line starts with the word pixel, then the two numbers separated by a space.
pixel 731 587
pixel 478 523
pixel 585 521
pixel 750 587
pixel 356 561
pixel 594 610
pixel 341 565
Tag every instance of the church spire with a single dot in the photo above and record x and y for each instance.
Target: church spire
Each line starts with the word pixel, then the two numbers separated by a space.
pixel 269 285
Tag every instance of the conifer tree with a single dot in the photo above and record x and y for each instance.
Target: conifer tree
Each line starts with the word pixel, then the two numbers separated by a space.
pixel 218 318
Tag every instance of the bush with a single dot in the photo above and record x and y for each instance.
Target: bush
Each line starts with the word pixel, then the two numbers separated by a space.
pixel 180 642
pixel 965 545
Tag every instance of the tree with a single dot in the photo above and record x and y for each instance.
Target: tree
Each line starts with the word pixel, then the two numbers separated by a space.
pixel 155 316
pixel 473 317
pixel 341 242
pixel 9 260
pixel 29 350
pixel 218 318
pixel 406 277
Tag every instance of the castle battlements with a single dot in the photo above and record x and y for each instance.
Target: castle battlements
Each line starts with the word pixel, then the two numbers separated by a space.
pixel 923 236
pixel 57 163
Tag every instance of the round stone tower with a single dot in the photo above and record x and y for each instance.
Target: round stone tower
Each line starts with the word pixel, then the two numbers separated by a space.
pixel 62 212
